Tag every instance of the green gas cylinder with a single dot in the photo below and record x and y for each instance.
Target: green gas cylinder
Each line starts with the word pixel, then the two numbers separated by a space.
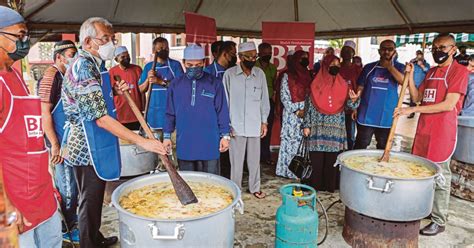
pixel 297 217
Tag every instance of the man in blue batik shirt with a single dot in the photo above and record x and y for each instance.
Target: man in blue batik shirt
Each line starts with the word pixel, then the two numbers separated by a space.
pixel 197 108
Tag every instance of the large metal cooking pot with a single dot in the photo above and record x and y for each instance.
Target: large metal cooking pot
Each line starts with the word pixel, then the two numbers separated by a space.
pixel 214 230
pixel 465 146
pixel 387 198
pixel 136 160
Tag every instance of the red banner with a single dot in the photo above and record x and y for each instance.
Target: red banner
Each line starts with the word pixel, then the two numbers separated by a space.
pixel 287 36
pixel 200 30
pixel 284 37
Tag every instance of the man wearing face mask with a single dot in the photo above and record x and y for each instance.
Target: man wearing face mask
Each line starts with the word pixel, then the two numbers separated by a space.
pixel 197 109
pixel 129 73
pixel 350 72
pixel 247 94
pixel 166 69
pixel 27 183
pixel 421 68
pixel 379 85
pixel 92 132
pixel 49 89
pixel 441 95
pixel 264 55
pixel 226 58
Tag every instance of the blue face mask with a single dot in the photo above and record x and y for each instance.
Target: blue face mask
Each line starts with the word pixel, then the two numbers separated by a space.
pixel 194 72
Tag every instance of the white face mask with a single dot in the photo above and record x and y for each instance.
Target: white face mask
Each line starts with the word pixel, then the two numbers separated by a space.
pixel 106 52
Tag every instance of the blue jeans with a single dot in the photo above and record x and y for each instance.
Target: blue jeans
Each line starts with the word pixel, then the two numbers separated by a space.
pixel 47 235
pixel 67 187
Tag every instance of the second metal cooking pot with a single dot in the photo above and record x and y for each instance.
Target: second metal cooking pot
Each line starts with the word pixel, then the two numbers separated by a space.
pixel 387 198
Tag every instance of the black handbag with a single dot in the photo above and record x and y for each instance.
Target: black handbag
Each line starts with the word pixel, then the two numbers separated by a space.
pixel 301 164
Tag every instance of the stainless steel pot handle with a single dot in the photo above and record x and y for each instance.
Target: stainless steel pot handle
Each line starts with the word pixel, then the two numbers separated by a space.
pixel 137 150
pixel 386 189
pixel 178 232
pixel 440 180
pixel 239 207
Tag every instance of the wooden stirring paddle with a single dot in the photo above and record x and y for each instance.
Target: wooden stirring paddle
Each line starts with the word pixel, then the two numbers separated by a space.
pixel 386 154
pixel 183 191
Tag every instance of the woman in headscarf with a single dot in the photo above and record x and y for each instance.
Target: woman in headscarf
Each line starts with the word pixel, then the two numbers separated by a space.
pixel 324 122
pixel 295 85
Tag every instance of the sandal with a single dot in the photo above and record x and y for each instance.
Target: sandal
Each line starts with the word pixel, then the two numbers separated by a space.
pixel 259 195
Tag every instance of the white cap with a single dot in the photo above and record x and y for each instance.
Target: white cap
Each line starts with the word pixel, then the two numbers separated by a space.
pixel 350 43
pixel 119 50
pixel 291 52
pixel 247 46
pixel 194 52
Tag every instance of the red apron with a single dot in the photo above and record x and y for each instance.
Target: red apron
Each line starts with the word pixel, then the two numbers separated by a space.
pixel 436 133
pixel 24 157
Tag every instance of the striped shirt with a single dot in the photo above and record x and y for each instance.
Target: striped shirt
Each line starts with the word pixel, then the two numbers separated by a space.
pixel 49 86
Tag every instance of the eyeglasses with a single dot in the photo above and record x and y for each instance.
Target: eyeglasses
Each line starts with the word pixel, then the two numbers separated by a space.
pixel 440 48
pixel 251 58
pixel 23 37
pixel 389 49
pixel 106 40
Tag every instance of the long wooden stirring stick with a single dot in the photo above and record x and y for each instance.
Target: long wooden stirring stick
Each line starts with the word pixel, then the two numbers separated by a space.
pixel 386 154
pixel 183 191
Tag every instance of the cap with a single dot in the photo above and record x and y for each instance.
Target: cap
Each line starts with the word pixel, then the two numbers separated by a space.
pixel 291 52
pixel 247 46
pixel 350 43
pixel 63 45
pixel 119 50
pixel 9 17
pixel 194 52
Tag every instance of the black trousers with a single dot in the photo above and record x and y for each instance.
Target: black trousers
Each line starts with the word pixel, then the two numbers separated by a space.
pixel 265 153
pixel 350 131
pixel 209 166
pixel 325 177
pixel 132 125
pixel 365 133
pixel 225 164
pixel 91 197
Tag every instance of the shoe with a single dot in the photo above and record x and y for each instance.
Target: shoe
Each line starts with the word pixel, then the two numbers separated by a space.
pixel 411 116
pixel 72 236
pixel 432 229
pixel 109 241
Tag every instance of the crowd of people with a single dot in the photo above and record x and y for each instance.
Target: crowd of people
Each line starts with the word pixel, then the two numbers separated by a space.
pixel 218 116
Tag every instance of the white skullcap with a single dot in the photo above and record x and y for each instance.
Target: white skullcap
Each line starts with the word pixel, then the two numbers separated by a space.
pixel 350 43
pixel 247 46
pixel 119 50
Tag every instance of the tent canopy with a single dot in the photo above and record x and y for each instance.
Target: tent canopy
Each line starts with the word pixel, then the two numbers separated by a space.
pixel 333 18
pixel 429 37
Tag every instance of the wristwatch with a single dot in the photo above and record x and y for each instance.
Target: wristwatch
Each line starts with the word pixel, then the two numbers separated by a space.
pixel 226 137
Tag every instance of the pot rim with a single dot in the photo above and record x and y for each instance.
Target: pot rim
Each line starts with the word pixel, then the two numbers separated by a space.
pixel 380 152
pixel 119 189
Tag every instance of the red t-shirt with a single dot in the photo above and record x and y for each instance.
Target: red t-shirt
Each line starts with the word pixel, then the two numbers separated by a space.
pixel 13 86
pixel 457 79
pixel 130 75
pixel 350 74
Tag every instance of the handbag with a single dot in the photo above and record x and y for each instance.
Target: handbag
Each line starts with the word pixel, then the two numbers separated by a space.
pixel 301 164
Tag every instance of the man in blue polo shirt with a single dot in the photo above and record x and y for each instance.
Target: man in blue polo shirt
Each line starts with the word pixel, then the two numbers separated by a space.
pixel 166 69
pixel 379 85
pixel 197 109
pixel 226 57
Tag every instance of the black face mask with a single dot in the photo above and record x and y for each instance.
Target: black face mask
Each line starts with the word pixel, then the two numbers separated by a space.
pixel 233 61
pixel 22 49
pixel 440 57
pixel 304 62
pixel 266 58
pixel 163 54
pixel 333 70
pixel 249 64
pixel 125 62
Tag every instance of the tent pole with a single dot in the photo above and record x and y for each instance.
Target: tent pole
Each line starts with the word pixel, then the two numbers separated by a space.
pixel 295 7
pixel 423 45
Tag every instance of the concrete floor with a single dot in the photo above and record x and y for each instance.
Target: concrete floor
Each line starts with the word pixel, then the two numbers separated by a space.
pixel 256 228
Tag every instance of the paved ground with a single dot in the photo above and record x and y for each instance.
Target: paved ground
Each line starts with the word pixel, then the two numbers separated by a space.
pixel 255 229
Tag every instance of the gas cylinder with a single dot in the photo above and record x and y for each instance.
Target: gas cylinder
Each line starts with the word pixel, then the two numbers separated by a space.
pixel 297 217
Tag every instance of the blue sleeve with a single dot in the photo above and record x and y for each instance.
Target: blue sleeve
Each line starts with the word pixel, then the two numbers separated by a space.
pixel 222 109
pixel 170 116
pixel 363 75
pixel 400 67
pixel 145 71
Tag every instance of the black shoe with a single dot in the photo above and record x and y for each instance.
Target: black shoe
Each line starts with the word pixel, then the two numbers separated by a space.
pixel 432 229
pixel 109 241
pixel 411 116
